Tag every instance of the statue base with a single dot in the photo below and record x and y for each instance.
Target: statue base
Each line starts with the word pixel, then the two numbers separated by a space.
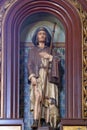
pixel 45 128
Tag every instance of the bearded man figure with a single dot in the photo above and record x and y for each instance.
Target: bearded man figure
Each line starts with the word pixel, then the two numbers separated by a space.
pixel 39 56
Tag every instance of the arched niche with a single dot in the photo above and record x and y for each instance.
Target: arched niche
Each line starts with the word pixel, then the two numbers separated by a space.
pixel 28 27
pixel 41 19
pixel 12 22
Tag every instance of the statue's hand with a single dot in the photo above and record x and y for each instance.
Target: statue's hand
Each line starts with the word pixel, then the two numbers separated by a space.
pixel 46 55
pixel 33 81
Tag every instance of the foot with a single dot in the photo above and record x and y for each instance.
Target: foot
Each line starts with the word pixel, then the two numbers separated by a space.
pixel 48 124
pixel 43 122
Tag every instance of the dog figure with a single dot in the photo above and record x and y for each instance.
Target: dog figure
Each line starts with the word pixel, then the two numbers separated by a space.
pixel 54 115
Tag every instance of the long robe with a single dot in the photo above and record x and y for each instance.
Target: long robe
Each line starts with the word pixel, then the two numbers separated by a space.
pixel 37 67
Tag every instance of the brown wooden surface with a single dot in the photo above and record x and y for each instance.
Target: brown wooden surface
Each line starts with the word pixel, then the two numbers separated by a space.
pixel 67 122
pixel 12 122
pixel 73 122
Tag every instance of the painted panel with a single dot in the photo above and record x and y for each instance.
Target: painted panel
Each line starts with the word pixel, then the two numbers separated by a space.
pixel 74 127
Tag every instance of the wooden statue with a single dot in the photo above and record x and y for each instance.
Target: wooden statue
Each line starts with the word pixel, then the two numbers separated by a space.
pixel 44 78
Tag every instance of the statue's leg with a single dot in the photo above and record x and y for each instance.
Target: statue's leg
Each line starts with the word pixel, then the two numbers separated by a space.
pixel 37 109
pixel 37 104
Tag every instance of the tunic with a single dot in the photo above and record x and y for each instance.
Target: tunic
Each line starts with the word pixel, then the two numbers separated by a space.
pixel 37 67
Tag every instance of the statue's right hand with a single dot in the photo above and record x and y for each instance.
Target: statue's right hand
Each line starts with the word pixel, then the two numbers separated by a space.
pixel 33 81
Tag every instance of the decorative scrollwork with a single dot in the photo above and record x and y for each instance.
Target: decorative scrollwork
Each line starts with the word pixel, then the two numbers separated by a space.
pixel 83 16
pixel 84 86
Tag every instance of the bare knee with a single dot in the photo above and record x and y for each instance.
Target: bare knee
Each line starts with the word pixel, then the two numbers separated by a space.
pixel 37 97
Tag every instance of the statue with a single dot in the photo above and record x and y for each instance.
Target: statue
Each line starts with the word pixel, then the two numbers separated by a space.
pixel 44 101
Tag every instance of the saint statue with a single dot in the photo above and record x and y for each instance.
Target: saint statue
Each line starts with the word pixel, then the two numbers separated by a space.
pixel 45 108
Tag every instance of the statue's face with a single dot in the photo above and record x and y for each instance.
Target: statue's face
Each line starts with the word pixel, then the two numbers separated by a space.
pixel 41 36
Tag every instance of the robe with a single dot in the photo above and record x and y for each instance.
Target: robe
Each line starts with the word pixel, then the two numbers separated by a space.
pixel 37 67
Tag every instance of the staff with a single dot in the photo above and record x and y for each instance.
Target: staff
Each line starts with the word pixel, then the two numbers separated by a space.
pixel 47 69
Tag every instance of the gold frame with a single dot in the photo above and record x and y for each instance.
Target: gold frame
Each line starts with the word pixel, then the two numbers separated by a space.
pixel 74 127
pixel 83 16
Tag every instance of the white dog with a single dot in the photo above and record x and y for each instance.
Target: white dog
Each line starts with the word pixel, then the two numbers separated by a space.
pixel 54 115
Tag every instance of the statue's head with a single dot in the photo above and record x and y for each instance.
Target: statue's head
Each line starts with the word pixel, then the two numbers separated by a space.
pixel 47 36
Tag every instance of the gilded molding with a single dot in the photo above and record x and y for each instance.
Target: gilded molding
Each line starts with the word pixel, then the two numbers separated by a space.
pixel 74 127
pixel 83 16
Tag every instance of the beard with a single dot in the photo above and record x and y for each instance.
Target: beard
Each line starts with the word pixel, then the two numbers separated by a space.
pixel 42 40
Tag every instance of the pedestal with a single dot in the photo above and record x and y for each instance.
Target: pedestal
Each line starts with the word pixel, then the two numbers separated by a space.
pixel 73 124
pixel 45 128
pixel 11 124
